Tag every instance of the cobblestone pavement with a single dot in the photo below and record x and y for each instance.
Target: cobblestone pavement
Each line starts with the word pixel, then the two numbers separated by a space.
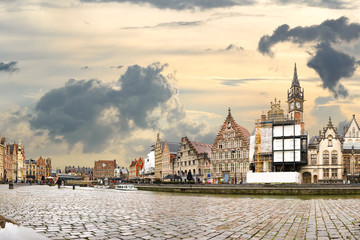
pixel 86 213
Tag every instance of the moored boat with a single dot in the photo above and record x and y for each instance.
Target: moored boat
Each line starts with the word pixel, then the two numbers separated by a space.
pixel 126 187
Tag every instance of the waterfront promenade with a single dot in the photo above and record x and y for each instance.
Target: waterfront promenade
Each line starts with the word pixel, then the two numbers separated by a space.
pixel 88 213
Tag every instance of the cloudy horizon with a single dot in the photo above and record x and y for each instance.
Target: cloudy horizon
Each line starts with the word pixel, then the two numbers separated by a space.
pixel 84 80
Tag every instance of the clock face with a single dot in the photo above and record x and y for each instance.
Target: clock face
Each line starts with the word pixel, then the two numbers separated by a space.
pixel 298 105
pixel 292 105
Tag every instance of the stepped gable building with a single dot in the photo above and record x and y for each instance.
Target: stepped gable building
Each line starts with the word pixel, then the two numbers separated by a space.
pixel 351 151
pixel 158 157
pixel 230 161
pixel 2 159
pixel 169 154
pixel 104 168
pixel 193 157
pixel 162 160
pixel 135 169
pixel 324 157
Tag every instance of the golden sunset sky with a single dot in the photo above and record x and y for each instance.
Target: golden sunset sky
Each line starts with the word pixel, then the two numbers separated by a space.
pixel 84 80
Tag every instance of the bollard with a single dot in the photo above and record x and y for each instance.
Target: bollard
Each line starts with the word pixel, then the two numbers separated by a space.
pixel 74 187
pixel 11 185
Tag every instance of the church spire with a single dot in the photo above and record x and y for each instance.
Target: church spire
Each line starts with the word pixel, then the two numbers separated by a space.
pixel 295 81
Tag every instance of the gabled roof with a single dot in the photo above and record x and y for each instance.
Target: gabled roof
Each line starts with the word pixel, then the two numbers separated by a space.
pixel 243 131
pixel 201 147
pixel 348 127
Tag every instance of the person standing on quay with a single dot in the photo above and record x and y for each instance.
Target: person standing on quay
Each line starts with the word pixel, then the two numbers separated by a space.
pixel 58 182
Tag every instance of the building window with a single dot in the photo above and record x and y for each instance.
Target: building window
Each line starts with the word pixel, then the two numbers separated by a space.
pixel 326 157
pixel 226 167
pixel 220 155
pixel 313 159
pixel 232 154
pixel 353 130
pixel 220 145
pixel 334 158
pixel 220 167
pixel 334 173
pixel 193 162
pixel 238 154
pixel 330 142
pixel 326 173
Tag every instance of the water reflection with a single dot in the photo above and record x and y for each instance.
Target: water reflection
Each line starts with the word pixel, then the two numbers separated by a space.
pixel 11 231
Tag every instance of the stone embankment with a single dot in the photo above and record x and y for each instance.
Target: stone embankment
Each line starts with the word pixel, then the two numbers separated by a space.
pixel 258 189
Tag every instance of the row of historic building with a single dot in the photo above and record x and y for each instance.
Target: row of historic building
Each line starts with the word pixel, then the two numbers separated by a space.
pixel 279 143
pixel 14 167
pixel 12 157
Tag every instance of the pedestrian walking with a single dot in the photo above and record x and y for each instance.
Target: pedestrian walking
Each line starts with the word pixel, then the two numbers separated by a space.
pixel 58 182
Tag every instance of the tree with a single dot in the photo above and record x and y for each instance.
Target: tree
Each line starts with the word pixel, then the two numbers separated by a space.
pixel 189 176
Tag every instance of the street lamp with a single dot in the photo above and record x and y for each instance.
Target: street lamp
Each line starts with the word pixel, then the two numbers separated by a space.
pixel 353 160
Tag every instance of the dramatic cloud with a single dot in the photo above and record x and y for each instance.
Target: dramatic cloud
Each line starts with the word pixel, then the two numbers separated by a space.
pixel 92 113
pixel 334 4
pixel 330 64
pixel 8 67
pixel 183 4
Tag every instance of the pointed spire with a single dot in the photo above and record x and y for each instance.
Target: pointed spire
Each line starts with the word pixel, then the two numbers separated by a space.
pixel 229 110
pixel 330 123
pixel 295 81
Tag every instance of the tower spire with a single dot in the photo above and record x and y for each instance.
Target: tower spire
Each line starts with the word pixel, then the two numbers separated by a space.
pixel 295 81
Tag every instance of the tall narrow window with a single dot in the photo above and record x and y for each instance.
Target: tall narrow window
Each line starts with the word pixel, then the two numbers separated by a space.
pixel 326 157
pixel 313 159
pixel 334 158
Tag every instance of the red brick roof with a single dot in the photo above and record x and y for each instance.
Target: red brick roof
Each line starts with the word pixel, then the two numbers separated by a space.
pixel 201 147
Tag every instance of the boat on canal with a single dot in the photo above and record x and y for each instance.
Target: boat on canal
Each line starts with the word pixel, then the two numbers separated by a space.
pixel 126 187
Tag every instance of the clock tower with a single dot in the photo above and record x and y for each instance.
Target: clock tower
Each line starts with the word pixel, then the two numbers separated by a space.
pixel 296 101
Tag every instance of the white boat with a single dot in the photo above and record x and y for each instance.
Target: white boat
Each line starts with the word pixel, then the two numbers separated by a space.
pixel 126 187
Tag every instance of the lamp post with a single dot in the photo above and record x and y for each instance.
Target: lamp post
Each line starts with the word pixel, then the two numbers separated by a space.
pixel 353 160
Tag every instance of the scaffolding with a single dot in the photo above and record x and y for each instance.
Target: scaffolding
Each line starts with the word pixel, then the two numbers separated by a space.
pixel 258 159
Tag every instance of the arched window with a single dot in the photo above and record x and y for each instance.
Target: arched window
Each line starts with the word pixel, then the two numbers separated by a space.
pixel 199 171
pixel 325 157
pixel 334 157
pixel 353 132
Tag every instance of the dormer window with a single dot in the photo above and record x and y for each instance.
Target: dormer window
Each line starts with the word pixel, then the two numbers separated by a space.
pixel 330 141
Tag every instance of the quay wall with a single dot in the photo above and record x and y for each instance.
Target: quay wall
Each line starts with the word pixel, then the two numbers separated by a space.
pixel 257 189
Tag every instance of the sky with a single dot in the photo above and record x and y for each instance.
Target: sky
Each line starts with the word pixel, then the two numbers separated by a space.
pixel 86 80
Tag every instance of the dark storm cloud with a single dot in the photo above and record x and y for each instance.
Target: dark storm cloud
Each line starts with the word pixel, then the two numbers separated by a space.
pixel 328 31
pixel 183 4
pixel 330 64
pixel 93 113
pixel 333 4
pixel 8 67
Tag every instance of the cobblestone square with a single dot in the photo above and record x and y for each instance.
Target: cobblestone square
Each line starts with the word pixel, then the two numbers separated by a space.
pixel 88 213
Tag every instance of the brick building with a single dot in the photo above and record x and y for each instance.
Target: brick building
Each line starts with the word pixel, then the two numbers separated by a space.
pixel 193 157
pixel 230 158
pixel 40 169
pixel 104 168
pixel 135 168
